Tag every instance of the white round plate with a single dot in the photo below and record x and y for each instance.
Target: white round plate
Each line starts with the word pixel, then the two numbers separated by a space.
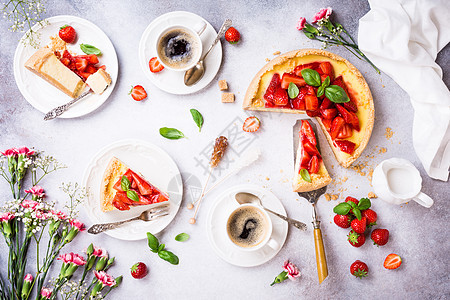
pixel 218 236
pixel 173 81
pixel 156 166
pixel 44 96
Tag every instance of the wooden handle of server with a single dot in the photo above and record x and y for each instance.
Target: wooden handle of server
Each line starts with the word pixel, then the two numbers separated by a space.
pixel 321 259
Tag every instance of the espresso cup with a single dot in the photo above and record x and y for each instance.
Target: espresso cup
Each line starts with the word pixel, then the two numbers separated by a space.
pixel 179 47
pixel 249 228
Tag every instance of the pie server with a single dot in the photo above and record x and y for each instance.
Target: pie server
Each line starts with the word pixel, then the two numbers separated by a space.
pixel 312 197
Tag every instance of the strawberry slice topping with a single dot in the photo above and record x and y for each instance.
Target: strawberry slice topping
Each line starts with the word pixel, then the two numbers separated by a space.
pixel 307 132
pixel 298 69
pixel 280 97
pixel 314 165
pixel 336 127
pixel 273 85
pixel 349 117
pixel 345 146
pixel 288 78
pixel 143 186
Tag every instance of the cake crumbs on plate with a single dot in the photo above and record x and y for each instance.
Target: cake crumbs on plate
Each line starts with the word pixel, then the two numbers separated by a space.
pixel 382 150
pixel 372 195
pixel 389 133
pixel 327 197
pixel 267 59
pixel 267 178
pixel 276 53
pixel 57 44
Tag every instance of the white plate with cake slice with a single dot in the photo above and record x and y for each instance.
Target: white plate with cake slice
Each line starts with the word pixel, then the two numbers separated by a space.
pixel 150 162
pixel 44 96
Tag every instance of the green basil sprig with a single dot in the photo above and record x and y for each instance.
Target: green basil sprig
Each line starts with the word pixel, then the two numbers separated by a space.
pixel 198 118
pixel 322 87
pixel 155 247
pixel 311 77
pixel 182 237
pixel 333 92
pixel 344 208
pixel 125 185
pixel 305 175
pixel 336 94
pixel 89 49
pixel 171 133
pixel 293 90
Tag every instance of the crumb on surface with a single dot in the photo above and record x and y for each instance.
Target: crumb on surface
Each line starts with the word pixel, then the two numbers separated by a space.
pixel 334 197
pixel 276 53
pixel 223 85
pixel 382 150
pixel 372 195
pixel 388 133
pixel 57 44
pixel 267 59
pixel 227 97
pixel 267 178
pixel 327 197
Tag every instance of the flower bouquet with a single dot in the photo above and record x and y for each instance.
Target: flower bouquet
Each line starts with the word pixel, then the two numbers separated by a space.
pixel 28 221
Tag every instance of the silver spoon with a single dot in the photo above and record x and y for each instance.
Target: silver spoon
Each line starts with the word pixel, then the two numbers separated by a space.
pixel 243 198
pixel 194 74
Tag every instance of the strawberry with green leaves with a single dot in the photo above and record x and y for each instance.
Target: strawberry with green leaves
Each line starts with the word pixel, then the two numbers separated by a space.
pixel 67 34
pixel 352 205
pixel 232 35
pixel 359 269
pixel 355 239
pixel 342 221
pixel 380 236
pixel 359 226
pixel 371 217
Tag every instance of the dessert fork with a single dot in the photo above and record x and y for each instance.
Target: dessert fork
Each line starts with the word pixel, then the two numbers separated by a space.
pixel 147 215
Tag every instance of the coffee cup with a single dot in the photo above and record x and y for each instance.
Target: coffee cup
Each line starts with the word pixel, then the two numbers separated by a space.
pixel 249 228
pixel 179 47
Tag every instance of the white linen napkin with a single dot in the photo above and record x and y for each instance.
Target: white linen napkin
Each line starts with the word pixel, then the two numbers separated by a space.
pixel 402 38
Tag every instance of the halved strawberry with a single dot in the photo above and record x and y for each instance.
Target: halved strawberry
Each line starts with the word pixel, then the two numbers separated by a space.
pixel 313 113
pixel 280 97
pixel 138 93
pixel 311 149
pixel 66 54
pixel 314 165
pixel 326 103
pixel 143 186
pixel 336 127
pixel 345 132
pixel 83 75
pixel 298 69
pixel 155 65
pixel 118 203
pixel 81 64
pixel 93 59
pixel 307 132
pixel 251 124
pixel 349 117
pixel 350 106
pixel 304 163
pixel 328 113
pixel 345 146
pixel 327 124
pixel 392 261
pixel 90 69
pixel 327 69
pixel 311 102
pixel 275 82
pixel 288 78
pixel 65 61
pixel 299 101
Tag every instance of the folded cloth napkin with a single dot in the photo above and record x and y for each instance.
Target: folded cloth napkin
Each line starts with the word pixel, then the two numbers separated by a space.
pixel 403 38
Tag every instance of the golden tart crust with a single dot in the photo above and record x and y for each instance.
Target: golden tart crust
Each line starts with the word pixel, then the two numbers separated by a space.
pixel 113 173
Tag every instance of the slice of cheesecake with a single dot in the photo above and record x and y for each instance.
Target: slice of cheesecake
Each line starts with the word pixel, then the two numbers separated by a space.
pixel 118 176
pixel 99 81
pixel 45 64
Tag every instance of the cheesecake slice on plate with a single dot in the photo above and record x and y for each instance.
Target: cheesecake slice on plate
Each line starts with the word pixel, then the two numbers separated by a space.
pixel 123 188
pixel 45 64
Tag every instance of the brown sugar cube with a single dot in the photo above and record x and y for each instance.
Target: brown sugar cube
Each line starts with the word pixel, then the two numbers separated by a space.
pixel 223 86
pixel 227 97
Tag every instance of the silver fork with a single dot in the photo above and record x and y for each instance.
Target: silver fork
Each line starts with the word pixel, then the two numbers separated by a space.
pixel 148 215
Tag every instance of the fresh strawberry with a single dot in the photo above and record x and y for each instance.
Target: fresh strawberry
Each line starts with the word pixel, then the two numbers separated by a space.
pixel 251 124
pixel 350 106
pixel 336 127
pixel 313 113
pixel 90 69
pixel 327 124
pixel 275 82
pixel 342 221
pixel 138 93
pixel 359 269
pixel 65 61
pixel 312 66
pixel 355 239
pixel 304 164
pixel 307 132
pixel 66 54
pixel 311 102
pixel 392 261
pixel 380 236
pixel 349 117
pixel 351 199
pixel 232 35
pixel 327 69
pixel 311 149
pixel 81 64
pixel 371 217
pixel 288 78
pixel 359 226
pixel 67 34
pixel 346 132
pixel 155 66
pixel 139 270
pixel 280 97
pixel 326 103
pixel 299 101
pixel 93 59
pixel 328 113
pixel 345 146
pixel 314 165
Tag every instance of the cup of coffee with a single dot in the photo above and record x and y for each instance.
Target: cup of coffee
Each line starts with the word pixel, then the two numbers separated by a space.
pixel 249 228
pixel 179 47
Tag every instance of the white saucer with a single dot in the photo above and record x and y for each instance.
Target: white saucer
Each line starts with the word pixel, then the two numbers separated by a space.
pixel 156 166
pixel 173 81
pixel 44 96
pixel 217 233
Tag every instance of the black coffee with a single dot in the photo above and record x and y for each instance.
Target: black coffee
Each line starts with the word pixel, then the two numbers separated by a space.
pixel 247 226
pixel 177 48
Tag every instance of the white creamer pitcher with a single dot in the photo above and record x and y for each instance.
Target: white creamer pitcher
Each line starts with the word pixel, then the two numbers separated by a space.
pixel 397 181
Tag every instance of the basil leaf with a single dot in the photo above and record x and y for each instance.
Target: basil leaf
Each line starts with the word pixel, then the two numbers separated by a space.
pixel 305 175
pixel 153 242
pixel 357 213
pixel 169 256
pixel 89 49
pixel 311 77
pixel 161 247
pixel 320 91
pixel 125 183
pixel 133 195
pixel 171 133
pixel 182 237
pixel 326 82
pixel 352 204
pixel 292 90
pixel 336 94
pixel 364 204
pixel 342 208
pixel 198 118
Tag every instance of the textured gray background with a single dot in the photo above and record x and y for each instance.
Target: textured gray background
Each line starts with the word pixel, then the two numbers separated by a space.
pixel 417 234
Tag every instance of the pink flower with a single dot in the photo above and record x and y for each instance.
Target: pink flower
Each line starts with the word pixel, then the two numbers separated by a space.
pixel 59 214
pixel 301 23
pixel 25 151
pixel 41 215
pixel 28 278
pixel 291 269
pixel 77 223
pixel 36 191
pixel 66 258
pixel 6 216
pixel 100 252
pixel 105 278
pixel 78 260
pixel 29 204
pixel 324 13
pixel 11 152
pixel 46 293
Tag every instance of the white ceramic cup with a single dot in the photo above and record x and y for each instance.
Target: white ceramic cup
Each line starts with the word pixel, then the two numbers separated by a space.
pixel 397 181
pixel 268 240
pixel 195 32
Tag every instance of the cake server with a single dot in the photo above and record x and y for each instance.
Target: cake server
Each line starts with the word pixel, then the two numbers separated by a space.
pixel 312 197
pixel 57 111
